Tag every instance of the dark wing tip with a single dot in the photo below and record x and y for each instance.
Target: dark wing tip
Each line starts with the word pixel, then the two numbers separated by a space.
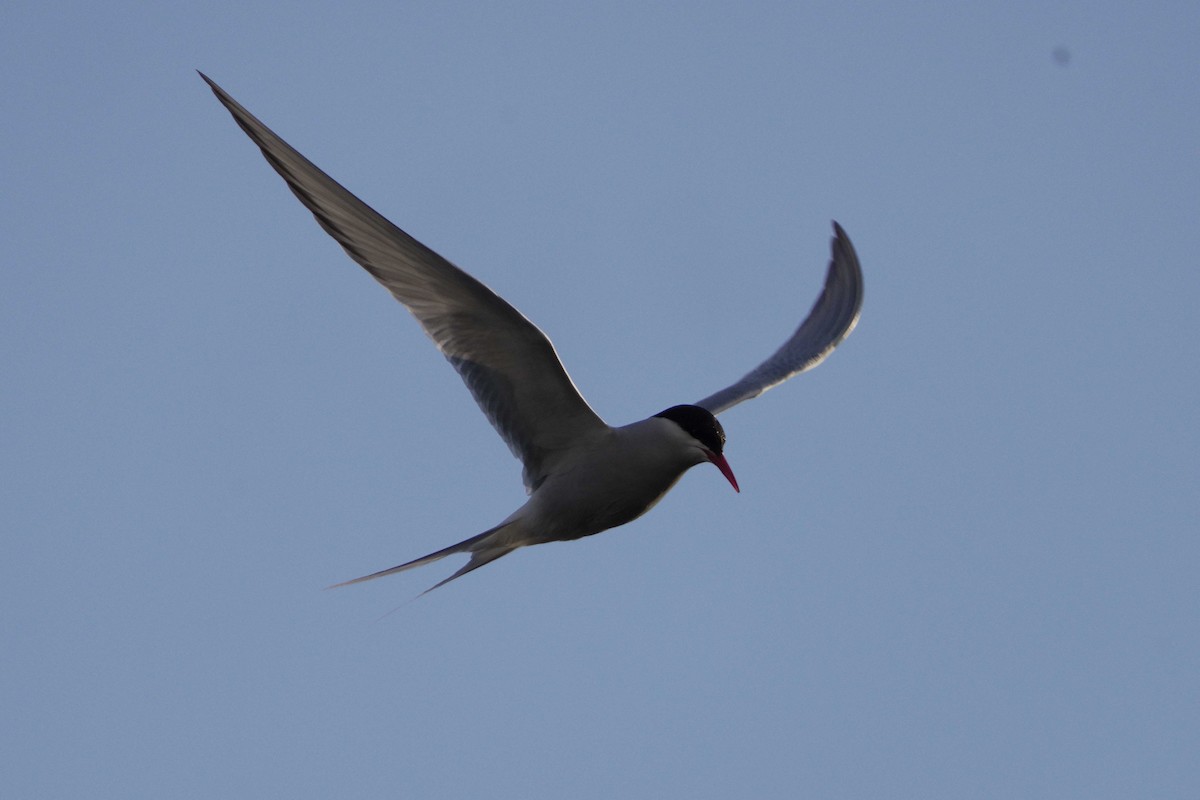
pixel 845 270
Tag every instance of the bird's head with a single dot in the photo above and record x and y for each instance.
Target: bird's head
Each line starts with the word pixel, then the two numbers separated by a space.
pixel 703 427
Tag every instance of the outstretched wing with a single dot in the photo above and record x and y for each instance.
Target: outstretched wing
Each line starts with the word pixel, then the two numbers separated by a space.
pixel 508 364
pixel 832 318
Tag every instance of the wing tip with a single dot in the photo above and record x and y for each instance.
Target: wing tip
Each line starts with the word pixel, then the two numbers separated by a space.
pixel 844 262
pixel 841 239
pixel 211 83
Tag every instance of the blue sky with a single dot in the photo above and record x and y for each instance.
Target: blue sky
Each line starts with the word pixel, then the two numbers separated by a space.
pixel 964 560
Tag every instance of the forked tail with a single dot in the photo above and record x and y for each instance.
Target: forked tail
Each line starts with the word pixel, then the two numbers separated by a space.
pixel 481 549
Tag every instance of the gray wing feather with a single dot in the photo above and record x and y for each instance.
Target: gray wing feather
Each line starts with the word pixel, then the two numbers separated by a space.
pixel 830 321
pixel 507 363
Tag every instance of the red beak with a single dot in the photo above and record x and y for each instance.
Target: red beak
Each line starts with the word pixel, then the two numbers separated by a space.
pixel 723 465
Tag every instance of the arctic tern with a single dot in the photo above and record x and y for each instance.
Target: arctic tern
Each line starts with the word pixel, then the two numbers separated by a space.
pixel 582 475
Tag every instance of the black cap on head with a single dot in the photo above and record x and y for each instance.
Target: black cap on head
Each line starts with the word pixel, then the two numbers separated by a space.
pixel 699 423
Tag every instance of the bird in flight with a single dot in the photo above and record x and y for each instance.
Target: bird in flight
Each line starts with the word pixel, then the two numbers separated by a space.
pixel 582 476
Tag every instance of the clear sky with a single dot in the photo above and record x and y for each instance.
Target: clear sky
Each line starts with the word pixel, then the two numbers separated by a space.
pixel 964 561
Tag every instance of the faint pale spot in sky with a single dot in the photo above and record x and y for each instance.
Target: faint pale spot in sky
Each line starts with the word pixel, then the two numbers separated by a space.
pixel 1061 55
